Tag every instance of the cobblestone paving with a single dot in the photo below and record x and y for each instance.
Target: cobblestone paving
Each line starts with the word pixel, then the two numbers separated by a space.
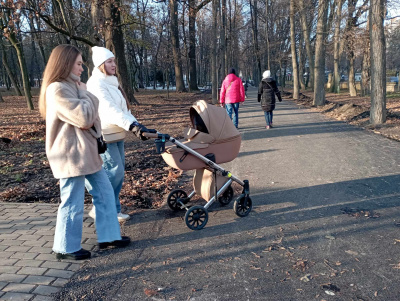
pixel 28 269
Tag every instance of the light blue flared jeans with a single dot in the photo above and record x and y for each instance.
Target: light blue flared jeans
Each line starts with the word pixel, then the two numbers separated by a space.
pixel 68 233
pixel 114 165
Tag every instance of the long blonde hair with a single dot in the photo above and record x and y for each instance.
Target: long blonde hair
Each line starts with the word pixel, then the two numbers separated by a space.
pixel 102 68
pixel 58 68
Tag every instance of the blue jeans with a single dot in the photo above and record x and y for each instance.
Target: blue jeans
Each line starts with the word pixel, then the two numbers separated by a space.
pixel 233 108
pixel 68 233
pixel 268 117
pixel 114 165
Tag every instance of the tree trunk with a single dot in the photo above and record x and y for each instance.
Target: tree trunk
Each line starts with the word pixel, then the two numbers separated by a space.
pixel 267 34
pixel 336 51
pixel 173 6
pixel 378 62
pixel 114 38
pixel 295 73
pixel 301 65
pixel 306 36
pixel 8 70
pixel 254 18
pixel 352 81
pixel 224 62
pixel 319 80
pixel 192 47
pixel 214 70
pixel 24 70
pixel 365 71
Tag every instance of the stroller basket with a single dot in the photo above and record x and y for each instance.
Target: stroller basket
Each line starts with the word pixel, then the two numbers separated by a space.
pixel 212 140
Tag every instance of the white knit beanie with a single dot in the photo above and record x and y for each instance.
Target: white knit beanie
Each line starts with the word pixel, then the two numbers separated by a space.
pixel 100 55
pixel 266 74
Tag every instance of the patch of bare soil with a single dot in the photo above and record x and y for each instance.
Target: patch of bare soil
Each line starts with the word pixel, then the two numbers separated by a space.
pixel 356 110
pixel 25 174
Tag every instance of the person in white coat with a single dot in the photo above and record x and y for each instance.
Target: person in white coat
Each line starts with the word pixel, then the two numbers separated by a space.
pixel 116 119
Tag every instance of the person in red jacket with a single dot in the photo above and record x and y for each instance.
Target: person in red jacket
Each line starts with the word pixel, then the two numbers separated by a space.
pixel 232 93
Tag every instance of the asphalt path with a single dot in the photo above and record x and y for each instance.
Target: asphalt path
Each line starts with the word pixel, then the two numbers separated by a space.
pixel 324 224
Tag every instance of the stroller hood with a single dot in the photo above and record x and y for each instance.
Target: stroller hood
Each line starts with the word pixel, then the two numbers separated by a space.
pixel 213 133
pixel 212 120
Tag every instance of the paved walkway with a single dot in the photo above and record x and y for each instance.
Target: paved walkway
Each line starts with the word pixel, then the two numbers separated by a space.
pixel 28 270
pixel 324 226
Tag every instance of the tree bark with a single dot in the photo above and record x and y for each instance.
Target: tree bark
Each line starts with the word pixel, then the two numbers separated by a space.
pixel 365 70
pixel 214 70
pixel 173 6
pixel 114 38
pixel 319 80
pixel 8 70
pixel 295 74
pixel 301 65
pixel 24 70
pixel 378 62
pixel 268 65
pixel 336 51
pixel 306 36
pixel 224 63
pixel 254 18
pixel 192 47
pixel 352 81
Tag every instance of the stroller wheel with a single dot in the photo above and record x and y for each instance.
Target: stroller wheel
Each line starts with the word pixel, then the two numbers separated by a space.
pixel 196 217
pixel 226 197
pixel 176 196
pixel 242 205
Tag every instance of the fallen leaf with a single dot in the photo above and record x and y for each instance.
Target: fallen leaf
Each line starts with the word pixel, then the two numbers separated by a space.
pixel 150 292
pixel 351 252
pixel 255 268
pixel 306 278
pixel 136 267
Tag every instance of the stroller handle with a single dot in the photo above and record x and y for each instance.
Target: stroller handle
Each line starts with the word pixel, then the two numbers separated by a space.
pixel 150 135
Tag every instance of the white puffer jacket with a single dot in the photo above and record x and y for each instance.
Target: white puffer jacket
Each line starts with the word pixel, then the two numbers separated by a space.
pixel 114 114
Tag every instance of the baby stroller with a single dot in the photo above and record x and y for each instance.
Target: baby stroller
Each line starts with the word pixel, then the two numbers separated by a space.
pixel 213 139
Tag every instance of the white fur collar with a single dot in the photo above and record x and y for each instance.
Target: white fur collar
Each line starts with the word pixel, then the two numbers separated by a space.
pixel 109 79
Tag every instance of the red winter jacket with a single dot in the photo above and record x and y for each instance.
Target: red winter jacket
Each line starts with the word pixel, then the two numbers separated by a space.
pixel 232 90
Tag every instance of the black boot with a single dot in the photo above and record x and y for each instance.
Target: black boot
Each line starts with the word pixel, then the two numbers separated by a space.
pixel 78 255
pixel 122 243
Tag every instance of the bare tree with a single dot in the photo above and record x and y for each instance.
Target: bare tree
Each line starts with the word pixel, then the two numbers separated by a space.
pixel 365 71
pixel 10 24
pixel 114 39
pixel 214 76
pixel 295 73
pixel 336 51
pixel 306 37
pixel 173 6
pixel 319 80
pixel 10 74
pixel 378 62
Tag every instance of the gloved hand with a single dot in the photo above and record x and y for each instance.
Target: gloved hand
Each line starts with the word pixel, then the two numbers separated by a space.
pixel 138 129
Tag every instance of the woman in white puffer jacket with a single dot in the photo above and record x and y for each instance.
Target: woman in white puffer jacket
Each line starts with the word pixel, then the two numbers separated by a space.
pixel 116 119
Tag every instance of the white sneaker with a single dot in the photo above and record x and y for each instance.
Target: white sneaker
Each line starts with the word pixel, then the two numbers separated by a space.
pixel 92 213
pixel 123 217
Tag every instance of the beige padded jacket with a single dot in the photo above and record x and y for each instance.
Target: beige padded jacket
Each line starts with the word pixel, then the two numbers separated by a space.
pixel 71 144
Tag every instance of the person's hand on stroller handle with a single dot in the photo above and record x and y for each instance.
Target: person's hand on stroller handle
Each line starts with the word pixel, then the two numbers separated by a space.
pixel 138 129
